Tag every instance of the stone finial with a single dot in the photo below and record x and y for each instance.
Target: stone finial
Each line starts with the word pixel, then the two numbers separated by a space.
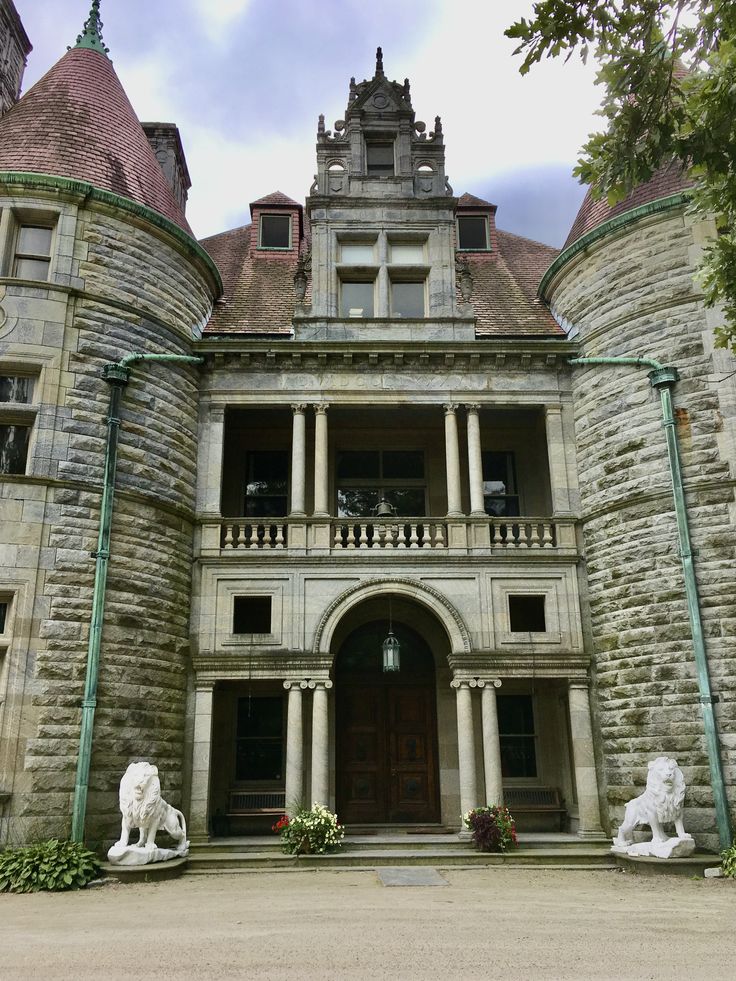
pixel 437 126
pixel 353 90
pixel 321 125
pixel 379 63
pixel 91 36
pixel 407 90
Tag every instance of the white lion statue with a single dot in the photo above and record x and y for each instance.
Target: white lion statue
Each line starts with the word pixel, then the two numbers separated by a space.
pixel 143 807
pixel 661 803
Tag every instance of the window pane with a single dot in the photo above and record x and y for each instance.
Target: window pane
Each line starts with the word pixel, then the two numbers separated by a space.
pixel 407 252
pixel 358 464
pixel 260 717
pixel 13 448
pixel 407 501
pixel 15 388
pixel 3 615
pixel 518 756
pixel 356 502
pixel 515 715
pixel 31 268
pixel 356 299
pixel 472 233
pixel 252 615
pixel 526 614
pixel 275 230
pixel 34 241
pixel 357 252
pixel 379 159
pixel 407 299
pixel 267 478
pixel 406 464
pixel 258 759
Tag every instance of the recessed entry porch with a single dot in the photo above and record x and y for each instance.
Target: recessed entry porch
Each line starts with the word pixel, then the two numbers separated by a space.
pixel 410 749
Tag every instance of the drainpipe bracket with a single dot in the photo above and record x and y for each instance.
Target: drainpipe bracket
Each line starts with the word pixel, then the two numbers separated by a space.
pixel 663 376
pixel 116 374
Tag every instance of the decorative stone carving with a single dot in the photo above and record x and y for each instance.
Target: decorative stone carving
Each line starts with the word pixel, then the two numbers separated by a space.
pixel 143 807
pixel 464 278
pixel 661 803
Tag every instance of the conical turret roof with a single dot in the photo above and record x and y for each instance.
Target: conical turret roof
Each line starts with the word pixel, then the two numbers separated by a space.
pixel 77 122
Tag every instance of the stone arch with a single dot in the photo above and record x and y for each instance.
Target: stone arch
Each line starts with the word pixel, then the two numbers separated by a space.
pixel 411 589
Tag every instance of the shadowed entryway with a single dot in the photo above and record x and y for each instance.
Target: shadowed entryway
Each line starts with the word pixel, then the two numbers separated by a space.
pixel 386 746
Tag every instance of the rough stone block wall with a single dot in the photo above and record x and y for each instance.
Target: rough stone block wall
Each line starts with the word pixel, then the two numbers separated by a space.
pixel 145 641
pixel 634 295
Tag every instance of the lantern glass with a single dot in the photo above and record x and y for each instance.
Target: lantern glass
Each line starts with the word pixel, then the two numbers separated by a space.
pixel 391 649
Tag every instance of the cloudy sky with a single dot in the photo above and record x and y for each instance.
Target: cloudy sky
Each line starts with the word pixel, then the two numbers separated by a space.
pixel 246 79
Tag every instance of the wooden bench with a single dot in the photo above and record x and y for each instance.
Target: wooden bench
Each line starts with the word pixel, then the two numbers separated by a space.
pixel 247 803
pixel 536 801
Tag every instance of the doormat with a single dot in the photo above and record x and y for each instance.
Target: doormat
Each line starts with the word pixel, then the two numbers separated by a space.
pixel 410 875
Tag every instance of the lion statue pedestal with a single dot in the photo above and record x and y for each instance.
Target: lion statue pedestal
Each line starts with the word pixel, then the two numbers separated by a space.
pixel 661 803
pixel 143 807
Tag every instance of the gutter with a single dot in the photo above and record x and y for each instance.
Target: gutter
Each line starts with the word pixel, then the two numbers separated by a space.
pixel 117 376
pixel 663 379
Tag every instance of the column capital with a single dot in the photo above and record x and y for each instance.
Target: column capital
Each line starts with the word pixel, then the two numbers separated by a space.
pixel 216 412
pixel 458 683
pixel 472 406
pixel 450 408
pixel 298 407
pixel 492 682
pixel 296 685
pixel 581 684
pixel 553 410
pixel 204 686
pixel 320 408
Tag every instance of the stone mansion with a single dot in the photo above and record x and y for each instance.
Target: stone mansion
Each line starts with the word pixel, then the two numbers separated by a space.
pixel 319 509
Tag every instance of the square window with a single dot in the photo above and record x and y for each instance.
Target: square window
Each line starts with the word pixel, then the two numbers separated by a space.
pixel 526 614
pixel 472 233
pixel 357 253
pixel 379 158
pixel 251 614
pixel 407 300
pixel 356 299
pixel 32 257
pixel 407 253
pixel 275 232
pixel 14 448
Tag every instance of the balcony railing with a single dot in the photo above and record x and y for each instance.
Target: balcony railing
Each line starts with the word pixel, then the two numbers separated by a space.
pixel 467 535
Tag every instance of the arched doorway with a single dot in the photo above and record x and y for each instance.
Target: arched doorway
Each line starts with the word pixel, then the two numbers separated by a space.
pixel 386 730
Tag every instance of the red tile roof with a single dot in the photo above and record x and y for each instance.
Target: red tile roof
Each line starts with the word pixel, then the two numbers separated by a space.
pixel 471 201
pixel 505 284
pixel 77 122
pixel 258 288
pixel 276 199
pixel 668 180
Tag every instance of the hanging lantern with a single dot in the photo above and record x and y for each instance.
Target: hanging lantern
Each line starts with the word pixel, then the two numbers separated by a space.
pixel 390 647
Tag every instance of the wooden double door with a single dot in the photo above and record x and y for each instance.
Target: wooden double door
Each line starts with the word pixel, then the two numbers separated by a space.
pixel 386 757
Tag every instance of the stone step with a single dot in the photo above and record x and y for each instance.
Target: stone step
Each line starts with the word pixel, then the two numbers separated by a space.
pixel 567 857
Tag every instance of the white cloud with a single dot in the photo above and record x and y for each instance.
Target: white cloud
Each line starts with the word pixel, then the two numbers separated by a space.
pixel 218 15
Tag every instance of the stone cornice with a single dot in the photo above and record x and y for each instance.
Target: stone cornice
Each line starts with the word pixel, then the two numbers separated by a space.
pixel 285 355
pixel 499 664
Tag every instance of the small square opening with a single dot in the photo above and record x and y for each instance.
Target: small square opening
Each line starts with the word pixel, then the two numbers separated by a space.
pixel 252 615
pixel 275 231
pixel 526 614
pixel 472 233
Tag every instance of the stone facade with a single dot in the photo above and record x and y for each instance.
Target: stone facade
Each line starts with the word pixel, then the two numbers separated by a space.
pixel 384 434
pixel 14 50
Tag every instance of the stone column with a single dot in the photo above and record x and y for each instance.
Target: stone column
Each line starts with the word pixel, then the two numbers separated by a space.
pixel 558 476
pixel 298 462
pixel 465 746
pixel 294 746
pixel 209 465
pixel 491 742
pixel 320 743
pixel 201 760
pixel 321 480
pixel 475 462
pixel 452 462
pixel 584 761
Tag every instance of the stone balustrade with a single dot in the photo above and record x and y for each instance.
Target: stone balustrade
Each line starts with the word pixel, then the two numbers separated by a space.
pixel 463 535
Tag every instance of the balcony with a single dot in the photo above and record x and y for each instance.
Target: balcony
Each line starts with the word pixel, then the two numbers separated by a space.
pixel 248 537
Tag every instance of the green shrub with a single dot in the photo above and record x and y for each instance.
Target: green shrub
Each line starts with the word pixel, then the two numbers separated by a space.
pixel 728 861
pixel 51 865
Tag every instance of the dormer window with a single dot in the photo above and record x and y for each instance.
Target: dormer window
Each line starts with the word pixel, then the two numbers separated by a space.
pixel 379 158
pixel 472 233
pixel 275 232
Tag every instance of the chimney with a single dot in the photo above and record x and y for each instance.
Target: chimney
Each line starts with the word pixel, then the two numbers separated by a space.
pixel 166 144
